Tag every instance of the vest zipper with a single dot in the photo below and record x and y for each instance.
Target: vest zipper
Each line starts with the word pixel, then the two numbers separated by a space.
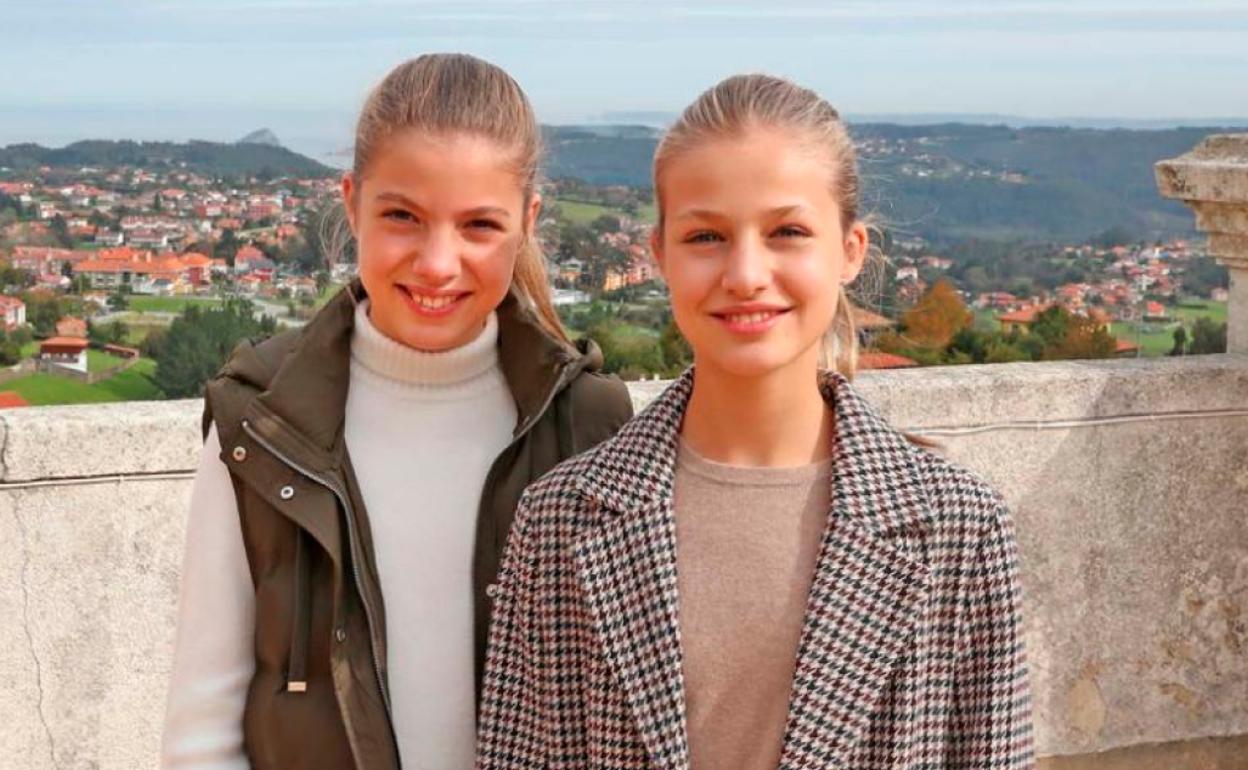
pixel 351 536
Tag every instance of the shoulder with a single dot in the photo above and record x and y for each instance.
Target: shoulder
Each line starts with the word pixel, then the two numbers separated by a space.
pixel 559 490
pixel 963 503
pixel 600 398
pixel 245 374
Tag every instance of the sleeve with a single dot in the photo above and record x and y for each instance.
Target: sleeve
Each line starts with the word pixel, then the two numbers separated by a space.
pixel 991 715
pixel 213 659
pixel 512 729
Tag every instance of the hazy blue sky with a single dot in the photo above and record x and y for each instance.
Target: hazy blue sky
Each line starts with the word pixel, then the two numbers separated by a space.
pixel 218 68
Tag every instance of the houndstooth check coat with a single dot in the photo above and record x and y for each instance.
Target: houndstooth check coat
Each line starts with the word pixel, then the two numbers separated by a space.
pixel 910 653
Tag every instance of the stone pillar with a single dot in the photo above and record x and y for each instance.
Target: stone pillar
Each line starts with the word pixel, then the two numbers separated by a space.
pixel 1212 179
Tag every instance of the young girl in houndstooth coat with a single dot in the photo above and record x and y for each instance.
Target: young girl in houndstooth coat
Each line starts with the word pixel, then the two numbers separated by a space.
pixel 758 571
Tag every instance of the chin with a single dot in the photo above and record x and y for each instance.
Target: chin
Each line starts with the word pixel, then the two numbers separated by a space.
pixel 758 359
pixel 746 364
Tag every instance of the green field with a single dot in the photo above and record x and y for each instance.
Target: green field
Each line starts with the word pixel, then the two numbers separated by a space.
pixel 45 389
pixel 98 360
pixel 581 213
pixel 144 304
pixel 328 293
pixel 1193 309
pixel 1153 339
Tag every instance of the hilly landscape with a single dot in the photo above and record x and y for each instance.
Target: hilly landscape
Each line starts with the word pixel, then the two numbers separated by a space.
pixel 245 158
pixel 956 181
pixel 944 183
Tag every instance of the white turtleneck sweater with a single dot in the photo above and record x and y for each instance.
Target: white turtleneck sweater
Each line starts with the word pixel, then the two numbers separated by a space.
pixel 422 430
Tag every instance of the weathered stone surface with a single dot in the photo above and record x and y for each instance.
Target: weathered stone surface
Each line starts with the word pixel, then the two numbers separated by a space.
pixel 1216 170
pixel 1130 502
pixel 1200 754
pixel 1213 180
pixel 99 440
pixel 96 567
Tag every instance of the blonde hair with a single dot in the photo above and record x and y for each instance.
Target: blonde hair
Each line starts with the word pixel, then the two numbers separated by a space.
pixel 452 93
pixel 739 103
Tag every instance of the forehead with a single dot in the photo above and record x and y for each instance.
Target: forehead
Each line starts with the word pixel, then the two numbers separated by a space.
pixel 445 165
pixel 756 167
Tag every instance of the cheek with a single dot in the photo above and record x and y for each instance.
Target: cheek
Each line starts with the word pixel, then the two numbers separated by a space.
pixel 812 278
pixel 381 252
pixel 492 265
pixel 691 280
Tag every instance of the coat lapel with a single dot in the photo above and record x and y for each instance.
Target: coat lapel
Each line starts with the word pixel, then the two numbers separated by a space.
pixel 870 586
pixel 627 570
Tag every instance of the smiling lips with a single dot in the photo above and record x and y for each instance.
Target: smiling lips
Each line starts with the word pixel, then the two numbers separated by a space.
pixel 750 319
pixel 432 303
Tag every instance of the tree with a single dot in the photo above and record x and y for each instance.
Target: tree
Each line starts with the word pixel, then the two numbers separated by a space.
pixel 227 247
pixel 1051 325
pixel 677 355
pixel 198 342
pixel 1180 341
pixel 1202 275
pixel 10 349
pixel 117 332
pixel 43 310
pixel 117 301
pixel 937 317
pixel 605 223
pixel 1207 337
pixel 1085 338
pixel 59 229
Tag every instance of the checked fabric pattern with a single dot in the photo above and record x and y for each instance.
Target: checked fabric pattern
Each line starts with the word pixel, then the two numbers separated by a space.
pixel 910 655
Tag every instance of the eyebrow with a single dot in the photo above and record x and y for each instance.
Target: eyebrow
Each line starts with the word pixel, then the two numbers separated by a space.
pixel 479 211
pixel 779 211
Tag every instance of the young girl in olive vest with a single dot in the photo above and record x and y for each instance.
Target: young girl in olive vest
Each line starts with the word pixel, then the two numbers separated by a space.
pixel 758 571
pixel 360 475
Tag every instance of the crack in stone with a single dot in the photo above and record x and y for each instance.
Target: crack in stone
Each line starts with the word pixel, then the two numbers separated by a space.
pixel 30 639
pixel 4 449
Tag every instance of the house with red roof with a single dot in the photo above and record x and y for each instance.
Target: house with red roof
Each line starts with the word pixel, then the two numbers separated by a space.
pixel 70 326
pixel 245 256
pixel 11 400
pixel 877 359
pixel 67 352
pixel 14 312
pixel 1022 318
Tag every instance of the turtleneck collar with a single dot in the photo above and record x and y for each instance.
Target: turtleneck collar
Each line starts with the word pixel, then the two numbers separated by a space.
pixel 403 365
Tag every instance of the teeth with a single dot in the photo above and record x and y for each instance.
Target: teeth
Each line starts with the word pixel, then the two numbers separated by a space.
pixel 749 318
pixel 432 303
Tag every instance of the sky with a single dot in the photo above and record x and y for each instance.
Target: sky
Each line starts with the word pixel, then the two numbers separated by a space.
pixel 217 69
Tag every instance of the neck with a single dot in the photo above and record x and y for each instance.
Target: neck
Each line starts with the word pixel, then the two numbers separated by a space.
pixel 776 419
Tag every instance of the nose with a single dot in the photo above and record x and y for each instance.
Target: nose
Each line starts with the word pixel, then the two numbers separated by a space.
pixel 436 262
pixel 748 269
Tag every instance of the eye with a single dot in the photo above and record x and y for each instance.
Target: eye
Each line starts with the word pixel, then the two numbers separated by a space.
pixel 790 231
pixel 702 236
pixel 486 224
pixel 398 215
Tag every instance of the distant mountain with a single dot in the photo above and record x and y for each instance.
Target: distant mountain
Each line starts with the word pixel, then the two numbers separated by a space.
pixel 208 158
pixel 660 119
pixel 261 136
pixel 954 181
pixel 1020 121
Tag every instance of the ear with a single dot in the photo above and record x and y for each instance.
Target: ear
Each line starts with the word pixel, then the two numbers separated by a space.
pixel 656 249
pixel 531 214
pixel 349 192
pixel 857 240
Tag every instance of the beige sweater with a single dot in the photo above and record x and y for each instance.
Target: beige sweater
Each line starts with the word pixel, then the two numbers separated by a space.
pixel 747 540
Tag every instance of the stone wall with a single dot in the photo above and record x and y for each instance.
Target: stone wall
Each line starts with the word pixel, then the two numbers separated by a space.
pixel 1128 481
